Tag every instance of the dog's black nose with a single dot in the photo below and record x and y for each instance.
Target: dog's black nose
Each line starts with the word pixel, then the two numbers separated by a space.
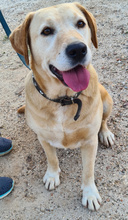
pixel 76 51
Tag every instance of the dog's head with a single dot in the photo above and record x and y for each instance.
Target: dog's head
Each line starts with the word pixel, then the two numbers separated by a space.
pixel 59 38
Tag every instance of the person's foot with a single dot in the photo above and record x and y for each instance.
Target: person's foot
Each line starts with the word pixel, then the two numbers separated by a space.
pixel 5 146
pixel 6 186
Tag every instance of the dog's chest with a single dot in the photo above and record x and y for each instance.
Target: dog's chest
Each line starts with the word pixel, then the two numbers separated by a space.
pixel 61 135
pixel 59 129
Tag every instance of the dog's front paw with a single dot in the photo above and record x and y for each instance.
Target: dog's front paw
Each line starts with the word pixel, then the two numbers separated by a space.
pixel 91 198
pixel 51 179
pixel 106 137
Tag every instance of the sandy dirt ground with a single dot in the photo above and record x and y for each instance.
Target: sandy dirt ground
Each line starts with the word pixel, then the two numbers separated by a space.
pixel 26 164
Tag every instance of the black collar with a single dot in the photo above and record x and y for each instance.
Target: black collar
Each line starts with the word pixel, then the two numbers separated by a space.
pixel 63 100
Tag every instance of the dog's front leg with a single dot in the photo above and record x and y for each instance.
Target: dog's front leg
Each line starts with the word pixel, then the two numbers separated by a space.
pixel 51 177
pixel 91 197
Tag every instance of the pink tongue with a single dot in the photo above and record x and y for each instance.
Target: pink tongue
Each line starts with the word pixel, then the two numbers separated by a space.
pixel 77 79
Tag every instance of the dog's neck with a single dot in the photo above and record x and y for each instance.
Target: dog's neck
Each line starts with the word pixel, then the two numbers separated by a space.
pixel 63 100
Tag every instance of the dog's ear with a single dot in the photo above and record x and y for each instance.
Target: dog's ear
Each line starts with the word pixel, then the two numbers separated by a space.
pixel 92 24
pixel 19 37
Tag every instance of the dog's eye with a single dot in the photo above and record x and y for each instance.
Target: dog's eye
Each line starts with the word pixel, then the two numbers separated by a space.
pixel 80 24
pixel 47 31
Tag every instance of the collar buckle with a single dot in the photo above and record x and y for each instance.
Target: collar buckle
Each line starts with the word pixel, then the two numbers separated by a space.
pixel 66 100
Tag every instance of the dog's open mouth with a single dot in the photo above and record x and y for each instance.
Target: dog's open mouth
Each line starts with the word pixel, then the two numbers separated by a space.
pixel 77 78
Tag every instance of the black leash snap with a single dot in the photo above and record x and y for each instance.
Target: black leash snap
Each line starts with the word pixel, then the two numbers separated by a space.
pixel 79 103
pixel 71 100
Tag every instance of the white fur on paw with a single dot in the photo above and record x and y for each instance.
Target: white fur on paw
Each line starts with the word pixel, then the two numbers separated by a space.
pixel 106 137
pixel 51 179
pixel 91 198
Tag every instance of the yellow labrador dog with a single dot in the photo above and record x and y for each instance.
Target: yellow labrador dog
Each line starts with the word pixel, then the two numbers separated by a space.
pixel 65 105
